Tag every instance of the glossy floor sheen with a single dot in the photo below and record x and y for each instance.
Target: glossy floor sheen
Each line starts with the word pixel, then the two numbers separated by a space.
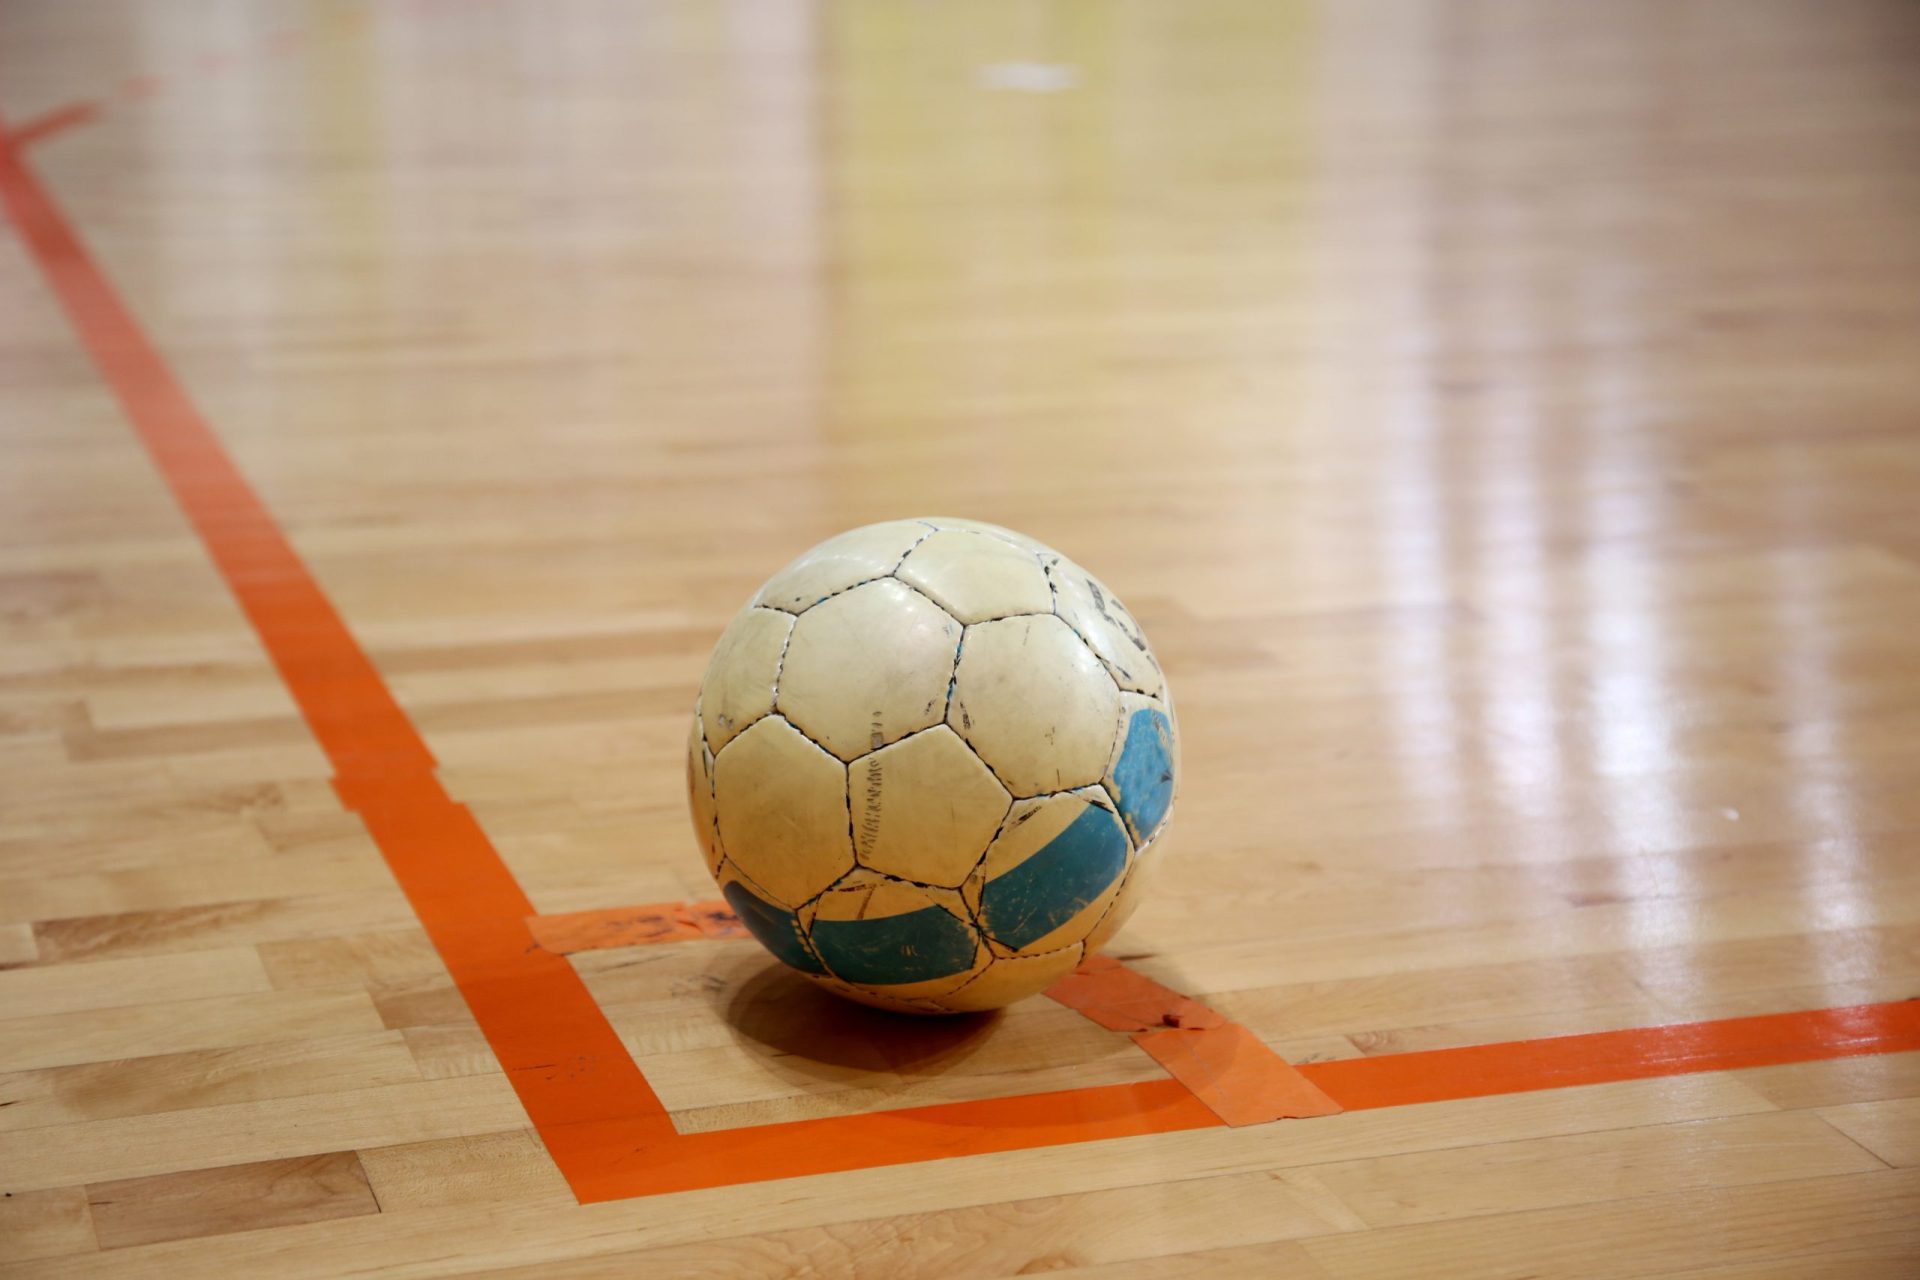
pixel 1504 418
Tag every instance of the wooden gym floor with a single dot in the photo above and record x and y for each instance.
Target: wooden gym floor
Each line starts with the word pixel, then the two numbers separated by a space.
pixel 1504 418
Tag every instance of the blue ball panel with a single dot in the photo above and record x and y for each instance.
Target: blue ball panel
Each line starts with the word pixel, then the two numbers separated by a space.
pixel 916 946
pixel 1055 884
pixel 1143 779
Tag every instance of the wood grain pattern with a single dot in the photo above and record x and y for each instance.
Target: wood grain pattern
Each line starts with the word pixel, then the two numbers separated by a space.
pixel 94 1035
pixel 1502 418
pixel 1864 1212
pixel 478 1170
pixel 45 1224
pixel 242 1197
pixel 210 1077
pixel 57 989
pixel 1890 1129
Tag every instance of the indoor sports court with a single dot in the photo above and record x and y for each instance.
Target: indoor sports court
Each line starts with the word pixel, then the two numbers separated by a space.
pixel 451 823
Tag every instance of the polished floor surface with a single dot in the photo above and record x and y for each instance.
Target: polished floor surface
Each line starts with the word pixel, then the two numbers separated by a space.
pixel 1504 418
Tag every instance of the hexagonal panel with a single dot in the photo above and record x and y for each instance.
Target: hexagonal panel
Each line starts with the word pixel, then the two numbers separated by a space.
pixel 868 667
pixel 976 577
pixel 1051 873
pixel 1005 534
pixel 902 940
pixel 1035 703
pixel 738 687
pixel 925 808
pixel 1007 980
pixel 1104 623
pixel 839 562
pixel 782 808
pixel 700 796
pixel 1146 760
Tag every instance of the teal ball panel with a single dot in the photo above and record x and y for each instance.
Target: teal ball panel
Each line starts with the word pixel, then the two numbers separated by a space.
pixel 1143 776
pixel 915 946
pixel 1055 884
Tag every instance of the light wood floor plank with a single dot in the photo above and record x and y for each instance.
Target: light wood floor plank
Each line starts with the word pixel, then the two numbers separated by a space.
pixel 209 1077
pixel 268 1129
pixel 52 1223
pixel 1890 1129
pixel 193 975
pixel 124 1031
pixel 241 1197
pixel 1663 1232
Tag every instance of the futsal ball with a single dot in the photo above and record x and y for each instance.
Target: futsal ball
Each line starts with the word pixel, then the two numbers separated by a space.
pixel 928 763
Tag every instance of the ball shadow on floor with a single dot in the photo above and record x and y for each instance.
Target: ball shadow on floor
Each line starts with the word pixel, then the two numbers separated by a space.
pixel 810 1030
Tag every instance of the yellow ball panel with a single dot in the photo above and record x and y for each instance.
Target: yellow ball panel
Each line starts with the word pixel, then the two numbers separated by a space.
pixel 977 577
pixel 738 688
pixel 868 667
pixel 925 808
pixel 1035 703
pixel 841 561
pixel 782 806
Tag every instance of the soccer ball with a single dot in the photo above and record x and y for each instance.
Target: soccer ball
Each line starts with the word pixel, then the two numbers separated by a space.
pixel 928 764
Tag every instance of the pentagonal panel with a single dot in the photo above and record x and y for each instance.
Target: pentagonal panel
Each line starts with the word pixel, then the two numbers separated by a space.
pixel 1035 703
pixel 738 688
pixel 782 806
pixel 868 667
pixel 902 940
pixel 1145 762
pixel 975 576
pixel 777 928
pixel 700 796
pixel 840 562
pixel 925 808
pixel 1007 980
pixel 1099 617
pixel 1051 873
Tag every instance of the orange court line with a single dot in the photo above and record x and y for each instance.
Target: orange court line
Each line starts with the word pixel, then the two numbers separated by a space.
pixel 572 931
pixel 1121 1000
pixel 47 124
pixel 1604 1057
pixel 1226 1066
pixel 602 1123
pixel 1239 1078
pixel 907 1135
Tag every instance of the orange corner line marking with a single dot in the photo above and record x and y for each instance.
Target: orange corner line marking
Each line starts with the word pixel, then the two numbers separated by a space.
pixel 605 1128
pixel 1228 1068
pixel 44 126
pixel 907 1135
